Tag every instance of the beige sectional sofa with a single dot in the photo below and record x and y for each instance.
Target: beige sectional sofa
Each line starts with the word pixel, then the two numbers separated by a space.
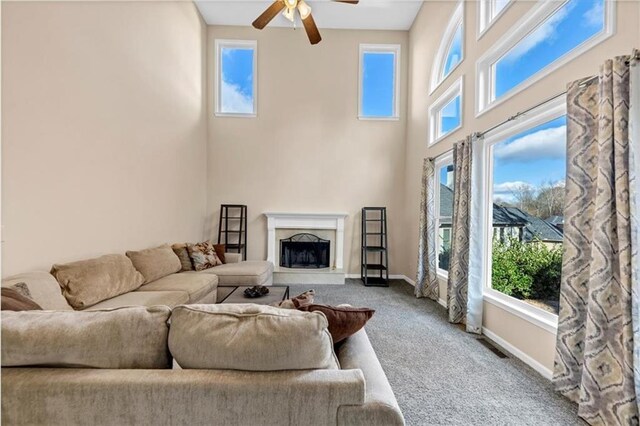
pixel 171 290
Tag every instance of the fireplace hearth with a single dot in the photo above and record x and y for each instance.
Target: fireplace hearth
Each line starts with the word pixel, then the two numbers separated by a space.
pixel 305 251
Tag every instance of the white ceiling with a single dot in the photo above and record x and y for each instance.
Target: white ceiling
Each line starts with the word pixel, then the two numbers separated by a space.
pixel 366 15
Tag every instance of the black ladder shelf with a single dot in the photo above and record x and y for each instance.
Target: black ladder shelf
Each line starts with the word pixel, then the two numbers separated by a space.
pixel 232 228
pixel 374 244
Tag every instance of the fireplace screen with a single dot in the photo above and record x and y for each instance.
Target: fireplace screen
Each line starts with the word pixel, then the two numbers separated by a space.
pixel 304 251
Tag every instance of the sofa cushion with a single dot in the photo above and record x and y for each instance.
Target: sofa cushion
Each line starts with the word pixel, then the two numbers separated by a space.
pixel 12 299
pixel 220 251
pixel 195 285
pixel 250 337
pixel 87 282
pixel 155 263
pixel 121 338
pixel 180 249
pixel 144 298
pixel 251 272
pixel 203 255
pixel 44 289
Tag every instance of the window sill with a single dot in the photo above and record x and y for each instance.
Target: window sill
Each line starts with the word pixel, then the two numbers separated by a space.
pixel 236 115
pixel 364 118
pixel 446 135
pixel 535 316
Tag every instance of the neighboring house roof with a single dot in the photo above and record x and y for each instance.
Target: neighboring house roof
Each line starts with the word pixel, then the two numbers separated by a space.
pixel 534 227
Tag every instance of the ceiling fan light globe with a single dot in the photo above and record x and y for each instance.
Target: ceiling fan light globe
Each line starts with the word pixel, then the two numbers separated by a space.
pixel 304 9
pixel 291 4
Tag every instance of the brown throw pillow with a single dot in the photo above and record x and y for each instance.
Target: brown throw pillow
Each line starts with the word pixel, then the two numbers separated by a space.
pixel 343 321
pixel 220 249
pixel 180 249
pixel 300 301
pixel 13 299
pixel 203 256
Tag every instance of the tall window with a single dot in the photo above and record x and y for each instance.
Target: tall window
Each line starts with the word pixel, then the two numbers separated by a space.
pixel 488 12
pixel 523 209
pixel 445 114
pixel 236 82
pixel 379 82
pixel 546 38
pixel 444 203
pixel 451 50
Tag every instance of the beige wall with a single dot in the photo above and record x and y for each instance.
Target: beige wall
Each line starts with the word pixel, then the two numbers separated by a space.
pixel 104 129
pixel 307 151
pixel 424 40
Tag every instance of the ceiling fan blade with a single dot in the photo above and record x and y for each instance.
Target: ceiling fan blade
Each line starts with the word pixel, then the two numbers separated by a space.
pixel 266 17
pixel 311 29
pixel 347 1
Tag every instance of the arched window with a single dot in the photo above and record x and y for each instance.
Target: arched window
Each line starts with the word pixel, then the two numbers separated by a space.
pixel 451 50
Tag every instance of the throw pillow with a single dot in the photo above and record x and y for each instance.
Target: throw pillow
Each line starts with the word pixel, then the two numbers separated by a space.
pixel 17 298
pixel 343 321
pixel 220 249
pixel 155 263
pixel 300 301
pixel 87 282
pixel 203 256
pixel 180 249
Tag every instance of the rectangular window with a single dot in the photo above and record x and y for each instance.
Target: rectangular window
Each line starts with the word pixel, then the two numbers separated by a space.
pixel 445 114
pixel 488 12
pixel 444 203
pixel 549 36
pixel 236 82
pixel 524 177
pixel 379 83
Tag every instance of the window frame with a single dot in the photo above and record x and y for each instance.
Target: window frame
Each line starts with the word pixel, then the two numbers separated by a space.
pixel 395 49
pixel 440 162
pixel 455 90
pixel 487 16
pixel 457 18
pixel 543 114
pixel 234 44
pixel 540 12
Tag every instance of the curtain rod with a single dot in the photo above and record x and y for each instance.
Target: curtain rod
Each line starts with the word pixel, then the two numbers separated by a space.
pixel 582 83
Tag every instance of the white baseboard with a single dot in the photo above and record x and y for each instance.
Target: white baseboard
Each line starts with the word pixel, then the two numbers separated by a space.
pixel 544 371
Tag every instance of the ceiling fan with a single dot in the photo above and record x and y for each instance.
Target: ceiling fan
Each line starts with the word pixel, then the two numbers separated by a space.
pixel 290 7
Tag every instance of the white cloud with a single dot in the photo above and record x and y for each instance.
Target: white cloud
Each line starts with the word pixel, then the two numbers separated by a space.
pixel 233 100
pixel 594 17
pixel 509 187
pixel 548 143
pixel 546 32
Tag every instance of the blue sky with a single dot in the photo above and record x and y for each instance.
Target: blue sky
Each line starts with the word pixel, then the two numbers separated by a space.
pixel 377 84
pixel 535 157
pixel 568 27
pixel 237 80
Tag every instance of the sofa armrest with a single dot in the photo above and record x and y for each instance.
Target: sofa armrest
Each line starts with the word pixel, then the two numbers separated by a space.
pixel 380 406
pixel 45 396
pixel 233 257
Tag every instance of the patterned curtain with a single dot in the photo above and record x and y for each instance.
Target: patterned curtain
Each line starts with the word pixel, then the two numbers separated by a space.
pixel 634 182
pixel 427 282
pixel 594 351
pixel 464 305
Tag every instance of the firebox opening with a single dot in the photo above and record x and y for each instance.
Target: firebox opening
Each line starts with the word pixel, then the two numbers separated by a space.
pixel 304 251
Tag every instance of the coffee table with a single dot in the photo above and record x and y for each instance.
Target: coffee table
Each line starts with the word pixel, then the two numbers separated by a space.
pixel 276 294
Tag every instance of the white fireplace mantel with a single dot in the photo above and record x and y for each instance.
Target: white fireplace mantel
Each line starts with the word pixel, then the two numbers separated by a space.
pixel 306 221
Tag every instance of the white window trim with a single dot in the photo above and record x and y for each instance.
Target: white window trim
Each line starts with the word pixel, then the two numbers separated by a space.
pixel 383 48
pixel 456 89
pixel 447 39
pixel 486 17
pixel 542 114
pixel 532 20
pixel 441 161
pixel 240 44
